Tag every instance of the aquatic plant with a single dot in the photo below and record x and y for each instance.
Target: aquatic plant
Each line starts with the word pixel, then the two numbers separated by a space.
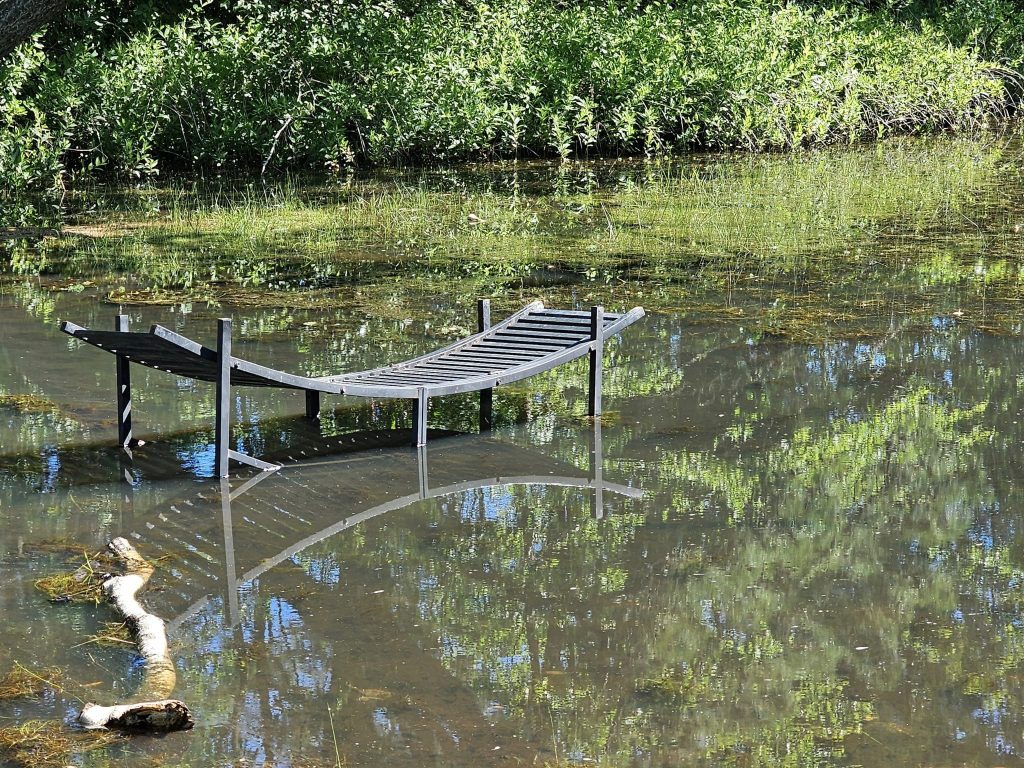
pixel 21 682
pixel 802 245
pixel 83 585
pixel 46 744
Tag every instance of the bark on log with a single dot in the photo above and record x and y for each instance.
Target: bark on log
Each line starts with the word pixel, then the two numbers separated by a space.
pixel 155 712
pixel 20 19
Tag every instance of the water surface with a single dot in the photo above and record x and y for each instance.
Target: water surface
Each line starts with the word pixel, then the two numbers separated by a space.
pixel 776 550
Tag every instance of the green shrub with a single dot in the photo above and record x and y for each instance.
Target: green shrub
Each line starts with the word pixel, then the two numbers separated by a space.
pixel 257 85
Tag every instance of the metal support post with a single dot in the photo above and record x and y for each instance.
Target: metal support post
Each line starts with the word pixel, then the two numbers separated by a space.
pixel 223 402
pixel 312 404
pixel 483 318
pixel 124 391
pixel 596 359
pixel 419 419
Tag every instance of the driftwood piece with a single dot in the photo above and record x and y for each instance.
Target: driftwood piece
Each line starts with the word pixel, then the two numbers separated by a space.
pixel 154 711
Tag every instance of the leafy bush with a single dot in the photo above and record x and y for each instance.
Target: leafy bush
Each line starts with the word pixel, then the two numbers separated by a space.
pixel 259 85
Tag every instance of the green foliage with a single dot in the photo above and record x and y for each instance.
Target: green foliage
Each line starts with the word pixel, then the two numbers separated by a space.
pixel 991 27
pixel 31 154
pixel 256 85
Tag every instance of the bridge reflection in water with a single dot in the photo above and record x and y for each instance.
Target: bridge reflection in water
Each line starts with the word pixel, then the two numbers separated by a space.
pixel 214 543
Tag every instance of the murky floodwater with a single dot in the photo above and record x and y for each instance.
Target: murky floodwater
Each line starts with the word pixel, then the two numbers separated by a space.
pixel 770 553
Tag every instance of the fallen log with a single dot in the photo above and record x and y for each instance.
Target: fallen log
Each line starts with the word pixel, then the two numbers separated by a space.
pixel 154 711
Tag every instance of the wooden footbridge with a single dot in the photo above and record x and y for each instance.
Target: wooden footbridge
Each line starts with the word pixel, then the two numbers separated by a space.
pixel 533 340
pixel 214 542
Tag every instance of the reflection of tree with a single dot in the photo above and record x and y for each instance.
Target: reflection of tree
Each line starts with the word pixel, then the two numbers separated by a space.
pixel 306 647
pixel 557 618
pixel 804 503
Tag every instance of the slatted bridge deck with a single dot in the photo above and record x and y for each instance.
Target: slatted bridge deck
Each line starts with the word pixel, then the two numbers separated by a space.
pixel 531 341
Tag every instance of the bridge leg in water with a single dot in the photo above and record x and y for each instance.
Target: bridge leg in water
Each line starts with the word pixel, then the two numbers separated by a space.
pixel 312 404
pixel 419 419
pixel 222 441
pixel 483 322
pixel 124 391
pixel 223 454
pixel 596 360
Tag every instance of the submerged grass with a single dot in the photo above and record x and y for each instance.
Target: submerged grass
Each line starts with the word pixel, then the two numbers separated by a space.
pixel 21 682
pixel 802 244
pixel 42 744
pixel 28 403
pixel 113 633
pixel 653 219
pixel 83 585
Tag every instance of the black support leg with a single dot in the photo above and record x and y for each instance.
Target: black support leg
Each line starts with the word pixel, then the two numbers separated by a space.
pixel 596 360
pixel 223 403
pixel 419 419
pixel 483 322
pixel 312 404
pixel 124 391
pixel 486 410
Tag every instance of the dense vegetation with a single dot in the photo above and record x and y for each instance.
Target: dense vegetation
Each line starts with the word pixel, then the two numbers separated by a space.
pixel 132 88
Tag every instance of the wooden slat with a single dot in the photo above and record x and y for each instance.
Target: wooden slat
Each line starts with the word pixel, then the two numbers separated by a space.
pixel 418 373
pixel 546 330
pixel 556 337
pixel 585 313
pixel 467 360
pixel 394 373
pixel 529 341
pixel 509 345
pixel 383 387
pixel 551 325
pixel 537 342
pixel 451 373
pixel 461 365
pixel 399 379
pixel 494 354
pixel 500 363
pixel 471 361
pixel 440 369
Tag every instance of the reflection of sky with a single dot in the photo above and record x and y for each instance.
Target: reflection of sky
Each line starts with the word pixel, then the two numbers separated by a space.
pixel 492 504
pixel 323 570
pixel 198 459
pixel 281 665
